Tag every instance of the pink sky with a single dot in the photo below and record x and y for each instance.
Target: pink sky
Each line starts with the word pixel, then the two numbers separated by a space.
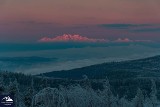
pixel 81 11
pixel 35 17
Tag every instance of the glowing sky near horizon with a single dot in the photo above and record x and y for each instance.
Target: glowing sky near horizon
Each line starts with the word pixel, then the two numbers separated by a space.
pixel 29 20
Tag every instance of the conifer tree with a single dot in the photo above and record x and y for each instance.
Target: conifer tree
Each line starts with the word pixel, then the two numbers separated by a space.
pixel 29 94
pixel 2 87
pixel 14 90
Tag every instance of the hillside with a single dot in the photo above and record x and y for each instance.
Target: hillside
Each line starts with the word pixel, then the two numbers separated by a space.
pixel 142 68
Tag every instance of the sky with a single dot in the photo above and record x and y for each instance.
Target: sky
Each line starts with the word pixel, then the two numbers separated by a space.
pixel 30 20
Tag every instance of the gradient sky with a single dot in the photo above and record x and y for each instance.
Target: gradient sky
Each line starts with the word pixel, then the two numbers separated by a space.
pixel 29 20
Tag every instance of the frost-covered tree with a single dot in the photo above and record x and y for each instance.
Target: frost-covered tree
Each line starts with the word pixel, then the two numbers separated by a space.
pixel 86 82
pixel 48 97
pixel 78 96
pixel 82 97
pixel 115 101
pixel 153 94
pixel 13 89
pixel 138 101
pixel 107 94
pixel 147 102
pixel 29 94
pixel 123 102
pixel 65 92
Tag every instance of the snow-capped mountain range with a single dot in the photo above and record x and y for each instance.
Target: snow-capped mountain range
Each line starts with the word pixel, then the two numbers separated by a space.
pixel 72 38
pixel 79 38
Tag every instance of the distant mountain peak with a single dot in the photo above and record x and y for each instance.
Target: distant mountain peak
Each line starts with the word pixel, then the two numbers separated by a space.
pixel 72 38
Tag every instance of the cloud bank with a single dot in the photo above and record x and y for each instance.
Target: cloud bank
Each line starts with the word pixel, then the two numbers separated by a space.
pixel 72 38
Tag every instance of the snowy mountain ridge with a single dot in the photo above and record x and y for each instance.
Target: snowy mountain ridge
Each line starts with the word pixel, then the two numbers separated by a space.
pixel 69 37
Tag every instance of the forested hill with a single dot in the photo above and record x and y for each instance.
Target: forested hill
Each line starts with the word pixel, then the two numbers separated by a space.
pixel 142 68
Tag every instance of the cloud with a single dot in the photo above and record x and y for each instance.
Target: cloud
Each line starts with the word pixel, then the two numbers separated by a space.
pixel 123 26
pixel 71 38
pixel 147 30
pixel 32 22
pixel 144 41
pixel 125 40
pixel 137 28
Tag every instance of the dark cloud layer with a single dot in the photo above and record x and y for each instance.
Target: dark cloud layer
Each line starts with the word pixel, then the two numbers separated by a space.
pixel 145 30
pixel 133 28
pixel 123 26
